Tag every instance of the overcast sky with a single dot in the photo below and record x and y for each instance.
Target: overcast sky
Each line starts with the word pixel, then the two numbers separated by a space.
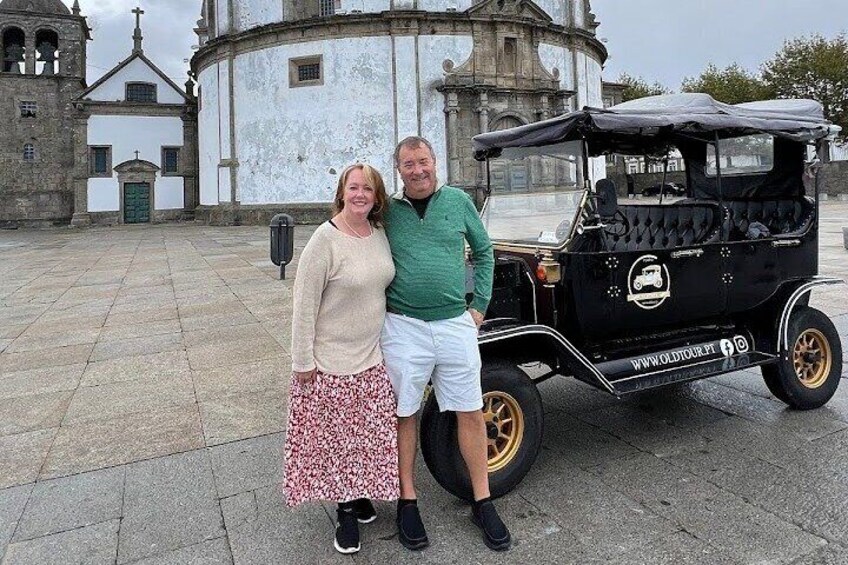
pixel 659 40
pixel 667 40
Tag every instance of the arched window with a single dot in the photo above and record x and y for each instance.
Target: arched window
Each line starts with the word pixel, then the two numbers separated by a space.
pixel 29 152
pixel 47 51
pixel 14 51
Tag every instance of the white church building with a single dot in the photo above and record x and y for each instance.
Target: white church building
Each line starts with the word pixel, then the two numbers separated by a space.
pixel 291 91
pixel 137 162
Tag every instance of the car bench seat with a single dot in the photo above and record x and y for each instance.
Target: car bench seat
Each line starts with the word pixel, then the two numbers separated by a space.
pixel 785 218
pixel 651 226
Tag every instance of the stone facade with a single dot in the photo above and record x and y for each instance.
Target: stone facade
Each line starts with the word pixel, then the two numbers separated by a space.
pixel 40 191
pixel 444 70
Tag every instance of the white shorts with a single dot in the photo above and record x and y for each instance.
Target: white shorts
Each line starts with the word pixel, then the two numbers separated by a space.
pixel 445 352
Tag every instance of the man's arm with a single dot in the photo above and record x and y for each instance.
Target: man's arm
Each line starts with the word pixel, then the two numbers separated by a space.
pixel 482 257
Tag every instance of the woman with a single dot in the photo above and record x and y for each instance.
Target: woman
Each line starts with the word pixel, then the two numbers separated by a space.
pixel 341 441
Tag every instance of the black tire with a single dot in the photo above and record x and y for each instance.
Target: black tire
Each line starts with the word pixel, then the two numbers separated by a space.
pixel 503 383
pixel 814 343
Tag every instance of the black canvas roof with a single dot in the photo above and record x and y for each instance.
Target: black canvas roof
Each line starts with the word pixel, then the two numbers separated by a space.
pixel 664 117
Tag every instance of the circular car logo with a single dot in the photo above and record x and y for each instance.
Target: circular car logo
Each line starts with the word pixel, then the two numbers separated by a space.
pixel 648 282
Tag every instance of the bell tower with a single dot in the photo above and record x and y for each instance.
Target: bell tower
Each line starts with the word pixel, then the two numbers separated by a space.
pixel 42 69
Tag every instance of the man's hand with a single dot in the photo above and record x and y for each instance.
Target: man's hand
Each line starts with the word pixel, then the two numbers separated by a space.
pixel 304 378
pixel 477 316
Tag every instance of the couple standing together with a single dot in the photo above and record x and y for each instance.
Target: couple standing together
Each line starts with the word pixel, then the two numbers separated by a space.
pixel 380 311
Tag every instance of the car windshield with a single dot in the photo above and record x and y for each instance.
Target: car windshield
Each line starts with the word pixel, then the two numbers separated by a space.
pixel 536 218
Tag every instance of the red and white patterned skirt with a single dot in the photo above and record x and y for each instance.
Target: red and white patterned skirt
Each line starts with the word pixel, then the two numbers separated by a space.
pixel 341 439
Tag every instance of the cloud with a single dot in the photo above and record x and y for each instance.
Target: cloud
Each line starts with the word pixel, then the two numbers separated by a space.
pixel 167 28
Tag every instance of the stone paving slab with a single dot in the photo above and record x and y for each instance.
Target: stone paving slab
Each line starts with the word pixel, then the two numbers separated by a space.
pixel 137 367
pixel 106 443
pixel 40 381
pixel 91 545
pixel 23 456
pixel 169 503
pixel 248 465
pixel 210 552
pixel 69 503
pixel 12 502
pixel 34 412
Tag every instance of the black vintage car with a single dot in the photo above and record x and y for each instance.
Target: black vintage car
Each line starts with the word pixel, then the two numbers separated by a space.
pixel 632 297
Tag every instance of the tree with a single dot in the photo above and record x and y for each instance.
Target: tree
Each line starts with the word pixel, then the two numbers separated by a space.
pixel 813 67
pixel 636 87
pixel 732 85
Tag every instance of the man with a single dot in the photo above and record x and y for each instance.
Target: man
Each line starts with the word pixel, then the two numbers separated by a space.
pixel 430 333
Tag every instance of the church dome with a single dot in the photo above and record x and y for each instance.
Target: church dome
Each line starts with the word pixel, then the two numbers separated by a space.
pixel 36 6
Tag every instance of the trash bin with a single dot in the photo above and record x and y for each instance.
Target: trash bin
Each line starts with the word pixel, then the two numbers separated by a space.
pixel 282 241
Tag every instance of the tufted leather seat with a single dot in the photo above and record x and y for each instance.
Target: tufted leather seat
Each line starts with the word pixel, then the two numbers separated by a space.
pixel 781 217
pixel 664 227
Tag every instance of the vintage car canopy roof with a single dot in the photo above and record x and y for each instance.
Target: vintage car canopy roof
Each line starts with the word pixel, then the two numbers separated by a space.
pixel 664 116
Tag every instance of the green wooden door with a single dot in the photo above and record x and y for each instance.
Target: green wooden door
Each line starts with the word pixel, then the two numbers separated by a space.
pixel 136 202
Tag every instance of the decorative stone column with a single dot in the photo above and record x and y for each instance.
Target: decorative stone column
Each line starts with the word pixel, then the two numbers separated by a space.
pixel 483 112
pixel 29 61
pixel 452 110
pixel 81 217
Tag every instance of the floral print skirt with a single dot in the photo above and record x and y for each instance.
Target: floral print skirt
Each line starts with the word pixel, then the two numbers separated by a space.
pixel 341 439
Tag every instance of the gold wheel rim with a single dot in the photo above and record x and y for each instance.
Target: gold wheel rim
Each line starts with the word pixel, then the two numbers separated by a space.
pixel 811 358
pixel 504 428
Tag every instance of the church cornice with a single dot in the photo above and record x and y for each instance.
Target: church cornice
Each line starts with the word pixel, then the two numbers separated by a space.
pixel 389 23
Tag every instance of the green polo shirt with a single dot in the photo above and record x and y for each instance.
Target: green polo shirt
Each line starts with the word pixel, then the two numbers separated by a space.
pixel 429 256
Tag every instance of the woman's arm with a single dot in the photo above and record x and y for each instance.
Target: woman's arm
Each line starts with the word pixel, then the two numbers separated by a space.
pixel 313 272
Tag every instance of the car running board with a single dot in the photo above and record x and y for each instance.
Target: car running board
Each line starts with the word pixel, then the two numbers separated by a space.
pixel 695 371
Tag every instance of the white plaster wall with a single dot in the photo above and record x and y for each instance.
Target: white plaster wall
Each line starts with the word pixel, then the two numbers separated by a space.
pixel 579 12
pixel 292 142
pixel 169 193
pixel 443 5
pixel 432 51
pixel 406 87
pixel 127 134
pixel 253 13
pixel 137 71
pixel 224 141
pixel 103 195
pixel 556 9
pixel 365 5
pixel 223 17
pixel 209 148
pixel 556 56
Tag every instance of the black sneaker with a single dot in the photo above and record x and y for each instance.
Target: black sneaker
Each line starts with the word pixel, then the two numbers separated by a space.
pixel 364 510
pixel 411 531
pixel 495 533
pixel 347 532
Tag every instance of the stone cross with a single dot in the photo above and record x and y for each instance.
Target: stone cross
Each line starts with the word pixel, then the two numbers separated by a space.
pixel 136 154
pixel 137 33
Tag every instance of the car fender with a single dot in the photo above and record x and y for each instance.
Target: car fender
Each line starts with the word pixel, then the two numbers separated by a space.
pixel 537 337
pixel 799 293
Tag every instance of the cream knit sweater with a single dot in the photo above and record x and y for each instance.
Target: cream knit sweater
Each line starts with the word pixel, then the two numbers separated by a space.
pixel 340 301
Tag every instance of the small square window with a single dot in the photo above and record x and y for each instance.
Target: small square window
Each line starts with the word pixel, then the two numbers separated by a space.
pixel 306 71
pixel 170 160
pixel 311 71
pixel 100 161
pixel 29 109
pixel 29 152
pixel 141 92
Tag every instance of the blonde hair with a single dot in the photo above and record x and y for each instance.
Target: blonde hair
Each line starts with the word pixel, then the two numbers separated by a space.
pixel 373 178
